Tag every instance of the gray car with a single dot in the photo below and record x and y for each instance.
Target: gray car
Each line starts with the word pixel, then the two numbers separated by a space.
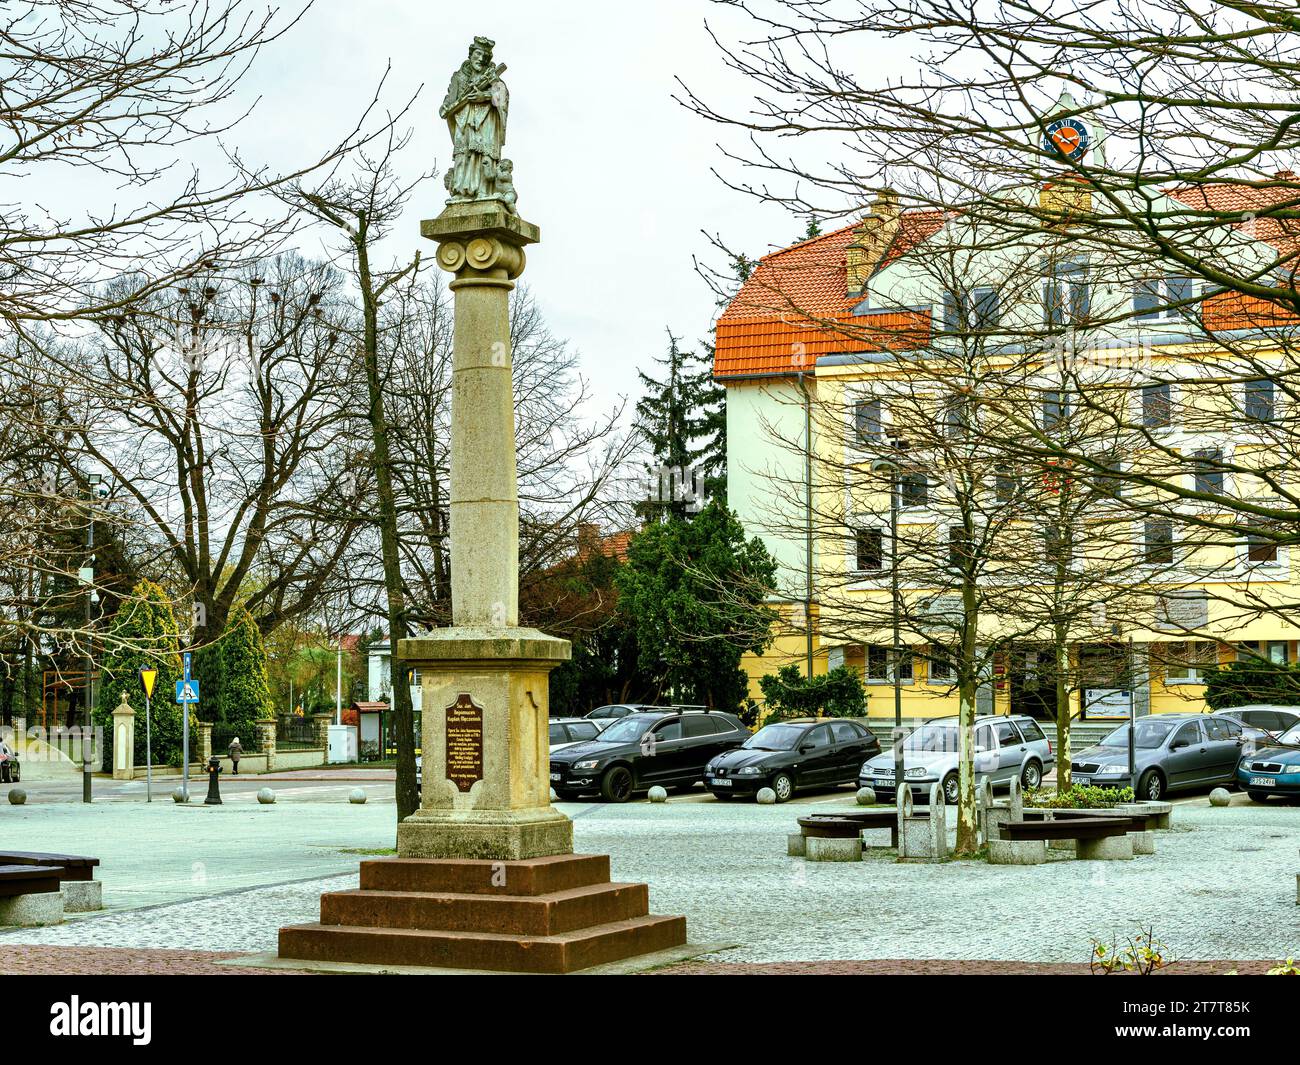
pixel 1005 748
pixel 1264 718
pixel 1172 752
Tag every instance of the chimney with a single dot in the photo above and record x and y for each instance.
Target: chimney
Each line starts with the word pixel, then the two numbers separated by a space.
pixel 588 539
pixel 871 240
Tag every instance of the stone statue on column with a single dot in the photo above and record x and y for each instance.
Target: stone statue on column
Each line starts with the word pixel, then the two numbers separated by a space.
pixel 476 108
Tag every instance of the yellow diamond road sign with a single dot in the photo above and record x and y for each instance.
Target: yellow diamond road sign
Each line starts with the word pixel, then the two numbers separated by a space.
pixel 147 678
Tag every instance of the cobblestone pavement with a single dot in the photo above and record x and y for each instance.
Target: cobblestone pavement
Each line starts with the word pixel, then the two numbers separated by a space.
pixel 1222 885
pixel 112 961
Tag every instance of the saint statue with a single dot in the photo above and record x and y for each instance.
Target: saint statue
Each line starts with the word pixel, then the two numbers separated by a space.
pixel 475 110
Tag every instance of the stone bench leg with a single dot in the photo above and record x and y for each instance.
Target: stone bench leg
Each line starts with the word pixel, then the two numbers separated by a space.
pixel 794 845
pixel 82 896
pixel 1107 849
pixel 30 911
pixel 1017 852
pixel 1062 844
pixel 1143 842
pixel 821 849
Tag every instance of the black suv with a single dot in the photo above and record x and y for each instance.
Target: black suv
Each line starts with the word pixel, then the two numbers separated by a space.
pixel 667 747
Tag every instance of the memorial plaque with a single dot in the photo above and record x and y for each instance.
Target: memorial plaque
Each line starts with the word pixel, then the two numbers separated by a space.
pixel 464 742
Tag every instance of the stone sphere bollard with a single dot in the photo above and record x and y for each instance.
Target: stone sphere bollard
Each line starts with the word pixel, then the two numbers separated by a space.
pixel 866 797
pixel 766 797
pixel 265 796
pixel 657 794
pixel 179 796
pixel 357 795
pixel 1220 797
pixel 17 796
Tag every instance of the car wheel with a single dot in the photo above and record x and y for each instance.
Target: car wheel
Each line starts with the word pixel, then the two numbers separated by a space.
pixel 783 786
pixel 1257 796
pixel 616 784
pixel 1151 786
pixel 16 774
pixel 1031 776
pixel 951 789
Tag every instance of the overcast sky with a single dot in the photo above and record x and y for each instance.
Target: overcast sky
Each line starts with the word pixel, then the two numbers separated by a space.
pixel 616 174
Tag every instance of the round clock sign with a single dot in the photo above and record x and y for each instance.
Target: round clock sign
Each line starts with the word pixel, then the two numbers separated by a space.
pixel 1068 136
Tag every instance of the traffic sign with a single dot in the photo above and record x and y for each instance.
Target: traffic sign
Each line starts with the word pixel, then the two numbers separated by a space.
pixel 187 691
pixel 147 679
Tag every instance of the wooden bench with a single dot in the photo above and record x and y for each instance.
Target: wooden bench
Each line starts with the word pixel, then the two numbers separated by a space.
pixel 69 866
pixel 1136 822
pixel 28 879
pixel 1067 828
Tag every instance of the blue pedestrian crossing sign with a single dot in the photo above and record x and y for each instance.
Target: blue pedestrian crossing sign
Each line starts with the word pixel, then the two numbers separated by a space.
pixel 187 691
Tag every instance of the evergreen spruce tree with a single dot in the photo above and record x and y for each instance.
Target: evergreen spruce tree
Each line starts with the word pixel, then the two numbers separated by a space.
pixel 143 634
pixel 683 419
pixel 244 694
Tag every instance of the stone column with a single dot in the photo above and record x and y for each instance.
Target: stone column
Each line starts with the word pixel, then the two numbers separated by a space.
pixel 484 690
pixel 323 731
pixel 123 741
pixel 203 742
pixel 266 740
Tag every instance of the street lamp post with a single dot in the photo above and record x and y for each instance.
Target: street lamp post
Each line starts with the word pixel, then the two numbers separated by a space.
pixel 98 489
pixel 897 652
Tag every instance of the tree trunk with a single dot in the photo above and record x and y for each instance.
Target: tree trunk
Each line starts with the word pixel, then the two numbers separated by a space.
pixel 1062 655
pixel 403 714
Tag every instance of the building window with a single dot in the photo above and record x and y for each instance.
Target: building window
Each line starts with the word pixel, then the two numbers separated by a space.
pixel 1056 408
pixel 1187 662
pixel 1260 404
pixel 977 308
pixel 1157 405
pixel 941 671
pixel 1111 482
pixel 1066 299
pixel 1275 651
pixel 1005 484
pixel 1260 548
pixel 1207 471
pixel 913 490
pixel 870 550
pixel 1168 297
pixel 960 548
pixel 878 659
pixel 1158 541
pixel 867 421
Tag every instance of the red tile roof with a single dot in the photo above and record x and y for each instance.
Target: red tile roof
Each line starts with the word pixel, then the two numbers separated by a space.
pixel 794 306
pixel 1231 198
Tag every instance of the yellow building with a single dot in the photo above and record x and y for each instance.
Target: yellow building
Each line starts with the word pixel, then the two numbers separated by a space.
pixel 852 345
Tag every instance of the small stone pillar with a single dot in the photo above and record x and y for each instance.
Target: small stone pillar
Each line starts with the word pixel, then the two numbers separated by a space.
pixel 323 731
pixel 123 741
pixel 266 739
pixel 203 739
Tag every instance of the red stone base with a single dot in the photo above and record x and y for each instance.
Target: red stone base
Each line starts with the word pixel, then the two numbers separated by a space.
pixel 541 915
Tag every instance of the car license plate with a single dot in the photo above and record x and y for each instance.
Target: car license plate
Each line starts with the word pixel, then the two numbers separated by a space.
pixel 554 776
pixel 1262 782
pixel 720 782
pixel 885 778
pixel 1081 778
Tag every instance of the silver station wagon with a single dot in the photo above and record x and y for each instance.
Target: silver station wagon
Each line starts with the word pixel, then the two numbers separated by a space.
pixel 1005 748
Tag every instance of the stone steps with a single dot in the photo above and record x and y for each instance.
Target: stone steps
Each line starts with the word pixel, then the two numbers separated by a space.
pixel 535 915
pixel 541 915
pixel 563 953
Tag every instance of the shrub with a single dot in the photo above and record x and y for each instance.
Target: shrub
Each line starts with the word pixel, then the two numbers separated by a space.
pixel 1252 681
pixel 1079 798
pixel 788 693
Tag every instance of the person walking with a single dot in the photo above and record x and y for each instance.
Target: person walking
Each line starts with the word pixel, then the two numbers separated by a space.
pixel 236 749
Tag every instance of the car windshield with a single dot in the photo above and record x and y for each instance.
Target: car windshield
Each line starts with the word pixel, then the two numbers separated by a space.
pixel 608 711
pixel 775 738
pixel 932 738
pixel 1291 735
pixel 626 729
pixel 1148 735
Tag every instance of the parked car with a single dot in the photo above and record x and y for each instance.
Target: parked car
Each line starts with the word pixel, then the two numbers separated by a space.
pixel 419 774
pixel 1263 718
pixel 1172 752
pixel 1272 770
pixel 615 711
pixel 667 747
pixel 567 730
pixel 1005 748
pixel 11 771
pixel 788 755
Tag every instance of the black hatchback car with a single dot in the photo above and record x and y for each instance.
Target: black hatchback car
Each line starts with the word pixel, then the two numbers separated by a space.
pixel 787 755
pixel 636 752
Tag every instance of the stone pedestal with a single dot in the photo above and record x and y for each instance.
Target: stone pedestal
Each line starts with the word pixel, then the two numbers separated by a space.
pixel 123 741
pixel 487 786
pixel 266 740
pixel 322 724
pixel 203 742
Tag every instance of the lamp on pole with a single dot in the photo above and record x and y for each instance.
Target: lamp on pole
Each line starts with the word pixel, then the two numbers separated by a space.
pixel 880 466
pixel 97 488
